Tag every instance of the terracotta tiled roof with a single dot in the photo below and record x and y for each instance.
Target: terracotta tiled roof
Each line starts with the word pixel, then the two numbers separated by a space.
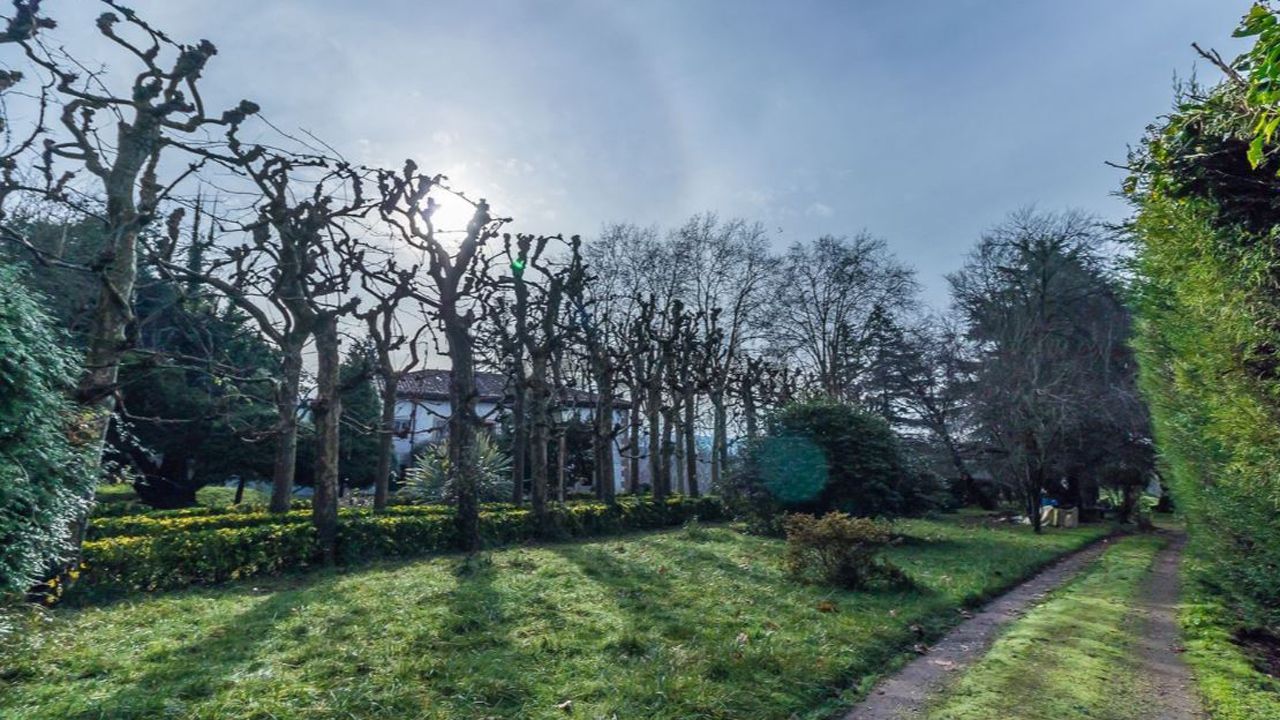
pixel 492 387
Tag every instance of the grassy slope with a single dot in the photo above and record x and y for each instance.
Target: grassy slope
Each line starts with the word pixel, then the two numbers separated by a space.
pixel 1232 688
pixel 1068 658
pixel 658 625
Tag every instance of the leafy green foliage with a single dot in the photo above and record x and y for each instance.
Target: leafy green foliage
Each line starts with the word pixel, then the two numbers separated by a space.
pixel 821 455
pixel 361 416
pixel 219 497
pixel 1207 336
pixel 175 552
pixel 429 479
pixel 44 486
pixel 839 550
pixel 1262 66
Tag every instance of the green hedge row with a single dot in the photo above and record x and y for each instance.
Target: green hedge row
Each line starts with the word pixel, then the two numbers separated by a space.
pixel 136 508
pixel 178 559
pixel 150 524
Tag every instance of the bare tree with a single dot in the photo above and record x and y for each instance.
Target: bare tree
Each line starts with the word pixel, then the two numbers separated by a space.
pixel 933 377
pixel 618 260
pixel 830 292
pixel 731 277
pixel 456 296
pixel 113 140
pixel 391 289
pixel 598 334
pixel 543 343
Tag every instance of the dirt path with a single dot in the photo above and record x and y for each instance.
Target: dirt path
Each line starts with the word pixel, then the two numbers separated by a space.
pixel 1167 687
pixel 903 694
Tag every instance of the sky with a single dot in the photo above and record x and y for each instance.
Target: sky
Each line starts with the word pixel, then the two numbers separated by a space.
pixel 922 123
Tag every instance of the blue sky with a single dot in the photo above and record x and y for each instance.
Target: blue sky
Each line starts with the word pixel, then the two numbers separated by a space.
pixel 921 122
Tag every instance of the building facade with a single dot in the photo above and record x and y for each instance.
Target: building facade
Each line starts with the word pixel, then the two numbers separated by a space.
pixel 423 410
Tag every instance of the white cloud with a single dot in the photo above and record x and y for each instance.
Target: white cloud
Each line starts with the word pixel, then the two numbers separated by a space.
pixel 817 209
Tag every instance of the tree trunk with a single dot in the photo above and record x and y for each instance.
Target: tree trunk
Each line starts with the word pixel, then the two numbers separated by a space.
pixel 326 414
pixel 1035 483
pixel 287 393
pixel 539 436
pixel 691 444
pixel 562 450
pixel 679 484
pixel 110 324
pixel 749 414
pixel 719 437
pixel 653 451
pixel 519 437
pixel 668 452
pixel 633 440
pixel 603 436
pixel 386 440
pixel 462 427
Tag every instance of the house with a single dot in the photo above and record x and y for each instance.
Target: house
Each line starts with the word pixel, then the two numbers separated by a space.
pixel 423 409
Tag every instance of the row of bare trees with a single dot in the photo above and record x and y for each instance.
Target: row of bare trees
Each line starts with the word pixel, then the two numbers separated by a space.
pixel 691 333
pixel 312 247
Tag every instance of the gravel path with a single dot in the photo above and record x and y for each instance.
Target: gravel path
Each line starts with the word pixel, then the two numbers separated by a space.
pixel 902 695
pixel 1167 687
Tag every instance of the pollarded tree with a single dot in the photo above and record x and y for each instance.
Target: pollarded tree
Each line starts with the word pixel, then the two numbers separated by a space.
pixel 456 293
pixel 617 259
pixel 540 288
pixel 102 158
pixel 396 322
pixel 599 336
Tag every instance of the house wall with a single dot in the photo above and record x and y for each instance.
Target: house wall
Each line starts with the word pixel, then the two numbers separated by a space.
pixel 424 421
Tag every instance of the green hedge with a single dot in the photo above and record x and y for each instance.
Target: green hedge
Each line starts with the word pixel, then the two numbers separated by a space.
pixel 1207 331
pixel 137 509
pixel 156 524
pixel 213 555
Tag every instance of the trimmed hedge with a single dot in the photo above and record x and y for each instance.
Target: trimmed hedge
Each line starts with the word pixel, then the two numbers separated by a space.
pixel 206 556
pixel 153 524
pixel 136 509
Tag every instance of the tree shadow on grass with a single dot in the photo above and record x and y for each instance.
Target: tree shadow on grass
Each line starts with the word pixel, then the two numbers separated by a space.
pixel 199 667
pixel 641 592
pixel 481 668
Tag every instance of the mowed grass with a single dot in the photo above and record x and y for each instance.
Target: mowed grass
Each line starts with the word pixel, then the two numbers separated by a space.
pixel 1068 658
pixel 660 625
pixel 1229 680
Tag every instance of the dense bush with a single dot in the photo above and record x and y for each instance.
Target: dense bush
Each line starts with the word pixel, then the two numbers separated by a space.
pixel 44 482
pixel 837 549
pixel 1207 326
pixel 191 554
pixel 215 496
pixel 820 455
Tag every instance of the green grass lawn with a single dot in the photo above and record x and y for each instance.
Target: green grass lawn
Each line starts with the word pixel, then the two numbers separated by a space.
pixel 659 625
pixel 1232 686
pixel 1068 658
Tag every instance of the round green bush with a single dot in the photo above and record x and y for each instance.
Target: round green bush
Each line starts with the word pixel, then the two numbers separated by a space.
pixel 819 456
